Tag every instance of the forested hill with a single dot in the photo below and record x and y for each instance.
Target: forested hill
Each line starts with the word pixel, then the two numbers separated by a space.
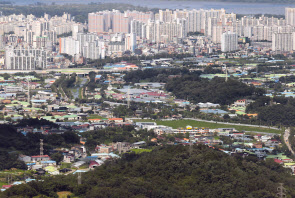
pixel 172 171
pixel 217 90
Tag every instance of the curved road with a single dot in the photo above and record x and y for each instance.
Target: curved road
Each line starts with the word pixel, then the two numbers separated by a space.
pixel 286 139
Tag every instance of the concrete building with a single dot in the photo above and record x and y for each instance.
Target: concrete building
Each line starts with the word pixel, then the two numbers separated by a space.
pixel 229 42
pixel 282 42
pixel 290 16
pixel 25 58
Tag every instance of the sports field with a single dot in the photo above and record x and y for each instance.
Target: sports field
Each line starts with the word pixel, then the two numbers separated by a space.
pixel 183 123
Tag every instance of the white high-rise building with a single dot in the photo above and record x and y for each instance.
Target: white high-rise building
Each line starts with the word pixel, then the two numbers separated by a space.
pixel 229 42
pixel 69 46
pixel 290 16
pixel 94 50
pixel 25 58
pixel 282 42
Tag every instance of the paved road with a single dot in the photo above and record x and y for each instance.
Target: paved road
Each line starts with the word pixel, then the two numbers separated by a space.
pixel 286 139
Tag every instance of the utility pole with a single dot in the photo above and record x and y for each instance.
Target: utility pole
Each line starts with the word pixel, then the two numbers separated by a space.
pixel 128 97
pixel 120 147
pixel 29 99
pixel 190 148
pixel 281 191
pixel 9 179
pixel 226 78
pixel 41 147
pixel 79 178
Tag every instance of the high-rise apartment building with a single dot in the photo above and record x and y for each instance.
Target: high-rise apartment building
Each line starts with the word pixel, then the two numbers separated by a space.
pixel 290 16
pixel 229 42
pixel 25 58
pixel 282 42
pixel 130 42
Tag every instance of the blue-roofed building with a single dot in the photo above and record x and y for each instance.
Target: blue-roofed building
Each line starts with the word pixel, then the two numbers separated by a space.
pixel 29 180
pixel 80 171
pixel 48 162
pixel 17 183
pixel 214 111
pixel 97 77
pixel 31 164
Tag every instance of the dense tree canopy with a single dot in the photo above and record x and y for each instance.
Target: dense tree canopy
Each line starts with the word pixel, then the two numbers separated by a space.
pixel 171 171
pixel 274 111
pixel 196 89
pixel 153 75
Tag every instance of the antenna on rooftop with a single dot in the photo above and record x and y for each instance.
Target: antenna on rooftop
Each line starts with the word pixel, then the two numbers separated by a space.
pixel 41 147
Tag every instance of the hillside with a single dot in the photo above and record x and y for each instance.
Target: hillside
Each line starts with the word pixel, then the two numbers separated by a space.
pixel 172 171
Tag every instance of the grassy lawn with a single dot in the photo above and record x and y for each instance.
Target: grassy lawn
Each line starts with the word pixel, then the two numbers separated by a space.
pixel 80 93
pixel 65 165
pixel 93 116
pixel 138 151
pixel 84 166
pixel 2 183
pixel 183 123
pixel 74 90
pixel 64 194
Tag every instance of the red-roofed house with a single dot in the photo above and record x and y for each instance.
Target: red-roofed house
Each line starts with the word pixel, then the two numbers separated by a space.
pixel 116 120
pixel 278 161
pixel 6 186
pixel 93 164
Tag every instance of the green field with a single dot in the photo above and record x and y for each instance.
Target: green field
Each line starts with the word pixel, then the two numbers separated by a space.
pixel 65 165
pixel 138 151
pixel 183 123
pixel 80 93
pixel 2 183
pixel 94 116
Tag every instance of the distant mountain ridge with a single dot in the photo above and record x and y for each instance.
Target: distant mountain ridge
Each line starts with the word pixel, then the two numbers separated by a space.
pixel 244 1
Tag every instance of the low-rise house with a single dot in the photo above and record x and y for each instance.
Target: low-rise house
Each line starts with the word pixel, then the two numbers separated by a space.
pixel 25 158
pixel 242 103
pixel 48 163
pixel 93 164
pixel 138 144
pixel 116 120
pixel 38 158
